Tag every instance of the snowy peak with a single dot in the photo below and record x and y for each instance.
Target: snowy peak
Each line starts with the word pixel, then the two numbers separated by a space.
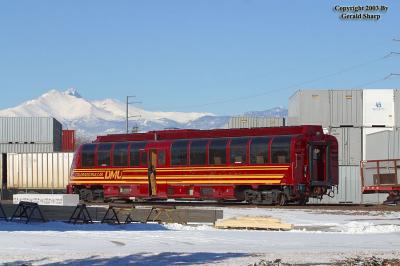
pixel 273 112
pixel 73 92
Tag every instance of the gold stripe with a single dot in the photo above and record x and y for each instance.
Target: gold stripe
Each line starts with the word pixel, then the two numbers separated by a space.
pixel 183 182
pixel 265 176
pixel 231 182
pixel 255 167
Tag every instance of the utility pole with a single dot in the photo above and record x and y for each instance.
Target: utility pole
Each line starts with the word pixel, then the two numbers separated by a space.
pixel 127 111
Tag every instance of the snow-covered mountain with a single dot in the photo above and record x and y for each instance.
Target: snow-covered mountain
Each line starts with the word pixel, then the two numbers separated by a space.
pixel 273 112
pixel 91 118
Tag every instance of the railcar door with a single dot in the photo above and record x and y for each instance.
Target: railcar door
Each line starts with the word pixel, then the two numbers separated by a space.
pixel 156 158
pixel 319 164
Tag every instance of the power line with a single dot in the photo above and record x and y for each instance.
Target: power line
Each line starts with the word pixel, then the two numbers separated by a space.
pixel 350 68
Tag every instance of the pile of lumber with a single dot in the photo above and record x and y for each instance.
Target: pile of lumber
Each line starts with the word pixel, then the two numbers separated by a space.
pixel 253 222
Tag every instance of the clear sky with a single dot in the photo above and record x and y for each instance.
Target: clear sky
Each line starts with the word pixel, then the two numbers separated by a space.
pixel 219 56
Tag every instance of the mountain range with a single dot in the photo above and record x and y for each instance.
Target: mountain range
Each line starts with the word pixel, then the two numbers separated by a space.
pixel 92 118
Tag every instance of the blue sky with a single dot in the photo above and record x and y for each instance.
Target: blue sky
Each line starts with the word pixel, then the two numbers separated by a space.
pixel 224 57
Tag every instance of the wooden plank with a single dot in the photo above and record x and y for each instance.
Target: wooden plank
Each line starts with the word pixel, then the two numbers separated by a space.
pixel 255 222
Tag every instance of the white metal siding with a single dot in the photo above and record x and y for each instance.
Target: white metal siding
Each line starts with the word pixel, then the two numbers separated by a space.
pixel 346 108
pixel 397 108
pixel 28 129
pixel 252 121
pixel 24 148
pixel 350 144
pixel 378 108
pixel 309 107
pixel 38 170
pixel 349 189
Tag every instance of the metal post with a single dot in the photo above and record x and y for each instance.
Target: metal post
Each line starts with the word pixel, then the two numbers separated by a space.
pixel 127 112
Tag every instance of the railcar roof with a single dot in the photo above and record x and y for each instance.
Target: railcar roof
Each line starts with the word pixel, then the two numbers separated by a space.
pixel 212 133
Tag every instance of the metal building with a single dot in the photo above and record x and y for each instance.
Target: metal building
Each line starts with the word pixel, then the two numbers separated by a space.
pixel 30 134
pixel 254 121
pixel 365 124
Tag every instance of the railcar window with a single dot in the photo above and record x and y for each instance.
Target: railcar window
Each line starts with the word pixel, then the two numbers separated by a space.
pixel 217 151
pixel 135 157
pixel 120 154
pixel 198 150
pixel 103 154
pixel 88 151
pixel 259 150
pixel 280 149
pixel 179 152
pixel 239 150
pixel 161 158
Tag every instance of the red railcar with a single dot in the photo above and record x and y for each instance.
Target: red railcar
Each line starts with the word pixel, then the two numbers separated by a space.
pixel 258 165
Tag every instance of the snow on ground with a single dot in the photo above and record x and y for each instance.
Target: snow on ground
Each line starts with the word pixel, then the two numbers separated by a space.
pixel 319 237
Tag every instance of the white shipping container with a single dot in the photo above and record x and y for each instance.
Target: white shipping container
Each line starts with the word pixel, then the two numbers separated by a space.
pixel 376 146
pixel 38 170
pixel 383 145
pixel 378 108
pixel 346 108
pixel 309 107
pixel 253 121
pixel 397 108
pixel 349 143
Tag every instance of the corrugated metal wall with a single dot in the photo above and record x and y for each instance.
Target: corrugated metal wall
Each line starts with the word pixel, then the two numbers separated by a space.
pixel 23 148
pixel 397 108
pixel 383 145
pixel 38 170
pixel 346 108
pixel 350 144
pixel 30 134
pixel 309 107
pixel 349 189
pixel 253 121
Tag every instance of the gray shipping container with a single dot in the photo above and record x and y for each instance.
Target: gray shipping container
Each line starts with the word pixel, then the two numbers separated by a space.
pixel 30 131
pixel 309 107
pixel 349 189
pixel 253 121
pixel 350 144
pixel 22 148
pixel 397 108
pixel 346 108
pixel 38 170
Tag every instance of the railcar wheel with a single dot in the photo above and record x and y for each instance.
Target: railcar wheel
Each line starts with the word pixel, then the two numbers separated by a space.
pixel 86 195
pixel 303 201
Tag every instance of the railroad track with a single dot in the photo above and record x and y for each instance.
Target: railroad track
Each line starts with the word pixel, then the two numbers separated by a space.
pixel 342 207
